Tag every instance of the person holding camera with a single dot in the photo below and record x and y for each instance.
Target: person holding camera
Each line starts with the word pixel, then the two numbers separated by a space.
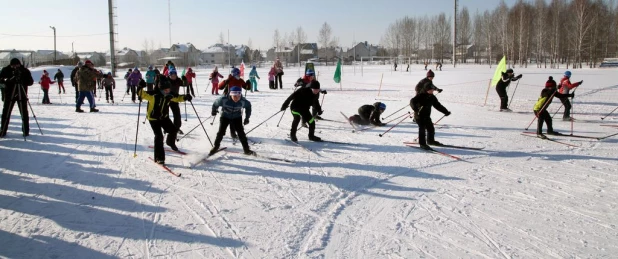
pixel 16 80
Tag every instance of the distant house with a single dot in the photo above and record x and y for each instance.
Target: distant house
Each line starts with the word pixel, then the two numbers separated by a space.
pixel 26 57
pixel 157 57
pixel 185 54
pixel 464 52
pixel 98 59
pixel 307 51
pixel 125 57
pixel 215 55
pixel 47 56
pixel 362 50
pixel 284 54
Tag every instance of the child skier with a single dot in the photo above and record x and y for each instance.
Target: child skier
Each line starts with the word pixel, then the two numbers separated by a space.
pixel 133 81
pixel 369 114
pixel 158 116
pixel 45 82
pixel 214 79
pixel 503 83
pixel 175 84
pixel 110 84
pixel 190 75
pixel 59 77
pixel 564 88
pixel 252 75
pixel 232 106
pixel 150 78
pixel 233 80
pixel 427 80
pixel 422 104
pixel 126 77
pixel 540 108
pixel 271 77
pixel 302 99
pixel 308 78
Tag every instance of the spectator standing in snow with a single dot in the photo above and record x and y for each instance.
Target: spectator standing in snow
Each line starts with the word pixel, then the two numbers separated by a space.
pixel 86 83
pixel 279 68
pixel 59 77
pixel 16 80
pixel 45 81
pixel 271 78
pixel 74 79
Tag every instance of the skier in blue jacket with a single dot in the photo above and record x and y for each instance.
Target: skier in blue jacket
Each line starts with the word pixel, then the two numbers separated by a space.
pixel 252 75
pixel 232 106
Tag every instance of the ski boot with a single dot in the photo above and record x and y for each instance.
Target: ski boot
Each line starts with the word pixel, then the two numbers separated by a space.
pixel 213 150
pixel 79 110
pixel 433 143
pixel 554 133
pixel 541 136
pixel 314 138
pixel 425 147
pixel 250 152
pixel 94 110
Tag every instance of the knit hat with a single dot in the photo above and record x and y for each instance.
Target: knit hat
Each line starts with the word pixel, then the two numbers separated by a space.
pixel 510 70
pixel 15 61
pixel 164 84
pixel 310 72
pixel 88 62
pixel 314 85
pixel 430 73
pixel 173 72
pixel 44 71
pixel 235 90
pixel 550 83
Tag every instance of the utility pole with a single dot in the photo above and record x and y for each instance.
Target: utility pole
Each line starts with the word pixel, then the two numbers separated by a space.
pixel 54 28
pixel 112 51
pixel 455 35
pixel 169 15
pixel 72 48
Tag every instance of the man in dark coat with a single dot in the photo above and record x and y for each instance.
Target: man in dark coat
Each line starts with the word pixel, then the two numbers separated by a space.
pixel 422 104
pixel 16 80
pixel 504 82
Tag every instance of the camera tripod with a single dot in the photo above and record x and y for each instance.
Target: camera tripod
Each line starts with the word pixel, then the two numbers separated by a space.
pixel 21 96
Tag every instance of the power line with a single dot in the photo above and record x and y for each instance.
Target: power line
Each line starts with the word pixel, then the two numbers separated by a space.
pixel 48 36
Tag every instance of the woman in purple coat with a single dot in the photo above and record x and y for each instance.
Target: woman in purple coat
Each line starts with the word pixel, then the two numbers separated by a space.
pixel 133 82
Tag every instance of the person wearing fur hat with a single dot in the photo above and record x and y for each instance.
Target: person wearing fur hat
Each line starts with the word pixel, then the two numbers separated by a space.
pixel 422 104
pixel 302 99
pixel 86 83
pixel 158 116
pixel 231 107
pixel 503 83
pixel 564 88
pixel 59 77
pixel 190 75
pixel 425 81
pixel 252 75
pixel 369 114
pixel 540 107
pixel 16 80
pixel 45 82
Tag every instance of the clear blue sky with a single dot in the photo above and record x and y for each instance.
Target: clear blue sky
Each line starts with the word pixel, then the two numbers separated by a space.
pixel 200 22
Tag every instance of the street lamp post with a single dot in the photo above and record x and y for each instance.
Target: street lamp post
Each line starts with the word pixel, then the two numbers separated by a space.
pixel 72 48
pixel 54 28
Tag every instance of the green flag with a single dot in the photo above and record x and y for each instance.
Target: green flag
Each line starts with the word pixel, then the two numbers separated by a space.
pixel 499 70
pixel 183 73
pixel 337 77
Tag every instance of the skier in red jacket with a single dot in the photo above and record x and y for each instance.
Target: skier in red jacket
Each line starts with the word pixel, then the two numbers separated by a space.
pixel 564 88
pixel 190 75
pixel 45 82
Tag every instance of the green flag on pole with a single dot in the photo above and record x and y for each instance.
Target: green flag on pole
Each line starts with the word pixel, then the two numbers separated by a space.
pixel 337 76
pixel 183 73
pixel 499 70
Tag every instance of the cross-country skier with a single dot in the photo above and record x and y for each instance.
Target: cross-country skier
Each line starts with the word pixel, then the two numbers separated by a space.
pixel 190 75
pixel 427 80
pixel 503 83
pixel 252 75
pixel 369 114
pixel 175 84
pixel 422 104
pixel 45 81
pixel 126 77
pixel 233 80
pixel 214 79
pixel 540 108
pixel 133 81
pixel 59 77
pixel 564 88
pixel 150 78
pixel 231 107
pixel 301 100
pixel 109 84
pixel 304 81
pixel 158 116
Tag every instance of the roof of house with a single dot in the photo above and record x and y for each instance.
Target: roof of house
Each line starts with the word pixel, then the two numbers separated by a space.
pixel 124 51
pixel 183 47
pixel 214 49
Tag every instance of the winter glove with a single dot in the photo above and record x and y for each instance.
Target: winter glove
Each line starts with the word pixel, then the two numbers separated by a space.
pixel 214 113
pixel 439 90
pixel 284 107
pixel 320 112
pixel 246 121
pixel 169 97
pixel 323 91
pixel 447 113
pixel 519 76
pixel 581 82
pixel 188 97
pixel 572 95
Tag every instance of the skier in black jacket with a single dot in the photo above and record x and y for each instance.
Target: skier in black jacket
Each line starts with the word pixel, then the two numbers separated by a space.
pixel 302 99
pixel 74 78
pixel 504 82
pixel 422 104
pixel 16 80
pixel 427 80
pixel 369 114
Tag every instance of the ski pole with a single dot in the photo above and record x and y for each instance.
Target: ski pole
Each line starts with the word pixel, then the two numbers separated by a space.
pixel 395 112
pixel 125 94
pixel 609 114
pixel 213 119
pixel 196 89
pixel 139 111
pixel 363 129
pixel 436 123
pixel 262 123
pixel 404 118
pixel 282 116
pixel 551 98
pixel 33 115
pixel 206 90
pixel 559 108
pixel 513 96
pixel 186 105
pixel 324 95
pixel 198 118
pixel 201 122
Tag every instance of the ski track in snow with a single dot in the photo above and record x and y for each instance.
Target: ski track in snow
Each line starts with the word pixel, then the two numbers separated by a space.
pixel 77 191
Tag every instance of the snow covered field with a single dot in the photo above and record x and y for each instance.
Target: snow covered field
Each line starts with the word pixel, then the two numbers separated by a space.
pixel 78 192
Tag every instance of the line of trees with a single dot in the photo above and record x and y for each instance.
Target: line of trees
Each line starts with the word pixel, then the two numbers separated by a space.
pixel 577 33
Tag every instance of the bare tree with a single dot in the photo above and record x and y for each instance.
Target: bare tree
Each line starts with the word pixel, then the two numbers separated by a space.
pixel 325 38
pixel 277 40
pixel 301 37
pixel 221 38
pixel 250 43
pixel 583 20
pixel 464 31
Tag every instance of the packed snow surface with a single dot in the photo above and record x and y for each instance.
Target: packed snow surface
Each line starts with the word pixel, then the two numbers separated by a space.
pixel 77 191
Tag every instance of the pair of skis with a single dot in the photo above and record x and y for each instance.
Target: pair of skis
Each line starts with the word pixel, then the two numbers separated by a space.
pixel 432 150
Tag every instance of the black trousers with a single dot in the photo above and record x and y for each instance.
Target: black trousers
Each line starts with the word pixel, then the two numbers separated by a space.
pixel 358 119
pixel 543 117
pixel 425 125
pixel 504 98
pixel 76 93
pixel 235 125
pixel 567 107
pixel 175 107
pixel 150 86
pixel 46 96
pixel 12 96
pixel 167 125
pixel 133 89
pixel 109 93
pixel 190 86
pixel 307 117
pixel 278 79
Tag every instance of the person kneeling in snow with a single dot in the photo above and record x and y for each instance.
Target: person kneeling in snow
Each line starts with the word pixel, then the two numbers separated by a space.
pixel 158 116
pixel 232 106
pixel 369 114
pixel 421 104
pixel 540 108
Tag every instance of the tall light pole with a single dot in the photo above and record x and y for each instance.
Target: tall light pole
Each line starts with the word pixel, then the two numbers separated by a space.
pixel 169 16
pixel 54 28
pixel 72 48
